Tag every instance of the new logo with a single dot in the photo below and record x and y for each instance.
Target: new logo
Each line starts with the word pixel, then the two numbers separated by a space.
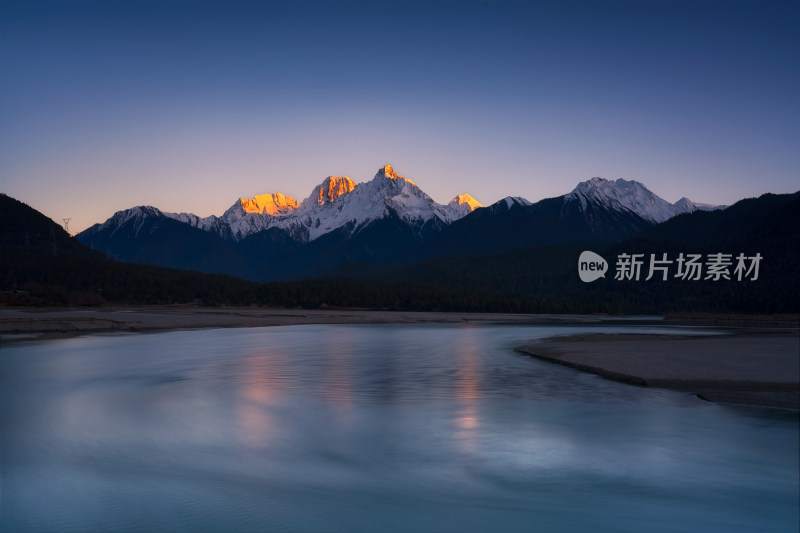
pixel 591 266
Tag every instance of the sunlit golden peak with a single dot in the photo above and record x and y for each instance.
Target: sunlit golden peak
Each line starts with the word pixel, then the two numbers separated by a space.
pixel 389 172
pixel 334 187
pixel 270 204
pixel 462 199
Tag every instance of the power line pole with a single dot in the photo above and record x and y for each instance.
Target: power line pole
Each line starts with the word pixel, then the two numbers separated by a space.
pixel 66 224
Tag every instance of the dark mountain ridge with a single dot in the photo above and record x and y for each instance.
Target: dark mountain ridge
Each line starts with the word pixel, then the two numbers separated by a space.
pixel 544 277
pixel 40 264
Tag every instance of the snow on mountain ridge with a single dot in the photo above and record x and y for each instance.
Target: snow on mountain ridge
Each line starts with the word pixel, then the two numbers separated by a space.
pixel 136 214
pixel 515 200
pixel 388 172
pixel 336 202
pixel 629 195
pixel 339 201
pixel 684 205
pixel 121 217
pixel 373 200
pixel 623 195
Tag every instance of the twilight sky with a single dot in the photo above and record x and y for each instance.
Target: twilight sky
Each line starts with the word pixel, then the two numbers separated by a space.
pixel 189 105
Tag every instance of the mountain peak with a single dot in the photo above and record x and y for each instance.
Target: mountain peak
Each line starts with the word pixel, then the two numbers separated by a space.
pixel 139 211
pixel 462 199
pixel 269 204
pixel 389 172
pixel 461 206
pixel 684 205
pixel 633 196
pixel 331 189
pixel 351 204
pixel 623 195
pixel 607 186
pixel 515 200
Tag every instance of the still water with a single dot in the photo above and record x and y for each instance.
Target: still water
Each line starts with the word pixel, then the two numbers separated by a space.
pixel 372 428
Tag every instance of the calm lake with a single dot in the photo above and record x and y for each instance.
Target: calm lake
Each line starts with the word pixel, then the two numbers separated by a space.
pixel 372 428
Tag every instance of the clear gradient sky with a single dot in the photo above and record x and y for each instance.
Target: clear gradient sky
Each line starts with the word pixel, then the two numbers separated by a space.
pixel 189 105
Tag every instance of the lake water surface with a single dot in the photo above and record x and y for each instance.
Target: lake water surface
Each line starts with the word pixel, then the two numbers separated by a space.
pixel 372 428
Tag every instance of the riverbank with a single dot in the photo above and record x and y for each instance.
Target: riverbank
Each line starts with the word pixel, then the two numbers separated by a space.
pixel 756 367
pixel 18 324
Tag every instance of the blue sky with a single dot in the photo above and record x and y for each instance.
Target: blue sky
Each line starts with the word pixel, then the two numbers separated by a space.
pixel 188 105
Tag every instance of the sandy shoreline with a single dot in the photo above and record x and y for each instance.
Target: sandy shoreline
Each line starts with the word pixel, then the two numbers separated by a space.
pixel 755 368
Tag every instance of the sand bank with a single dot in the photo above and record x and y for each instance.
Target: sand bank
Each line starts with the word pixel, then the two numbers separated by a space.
pixel 749 368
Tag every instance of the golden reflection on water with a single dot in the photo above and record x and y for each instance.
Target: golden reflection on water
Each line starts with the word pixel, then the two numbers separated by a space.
pixel 467 391
pixel 259 390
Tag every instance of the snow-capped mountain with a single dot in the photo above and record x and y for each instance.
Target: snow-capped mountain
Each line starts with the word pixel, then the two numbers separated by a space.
pixel 628 195
pixel 511 201
pixel 506 204
pixel 462 205
pixel 329 190
pixel 597 210
pixel 333 204
pixel 384 220
pixel 355 205
pixel 135 216
pixel 684 205
pixel 388 193
pixel 269 204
